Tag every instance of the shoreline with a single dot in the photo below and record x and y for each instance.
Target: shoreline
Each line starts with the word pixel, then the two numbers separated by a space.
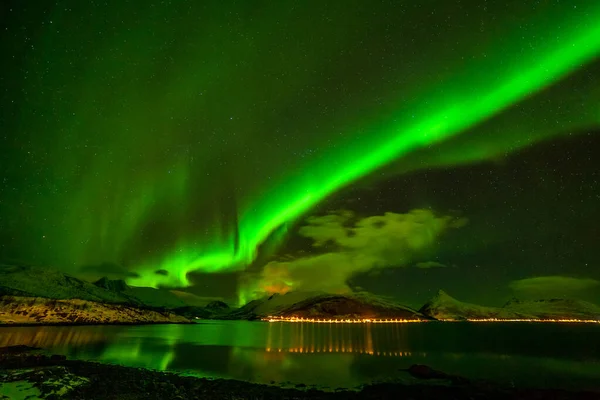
pixel 33 370
pixel 299 320
pixel 77 324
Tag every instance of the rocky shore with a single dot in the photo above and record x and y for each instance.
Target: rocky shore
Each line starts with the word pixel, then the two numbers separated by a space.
pixel 29 372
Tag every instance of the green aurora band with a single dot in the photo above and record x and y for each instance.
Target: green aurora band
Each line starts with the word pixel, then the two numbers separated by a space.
pixel 293 197
pixel 520 61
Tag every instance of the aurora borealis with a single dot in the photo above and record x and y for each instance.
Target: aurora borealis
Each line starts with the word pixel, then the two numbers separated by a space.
pixel 197 137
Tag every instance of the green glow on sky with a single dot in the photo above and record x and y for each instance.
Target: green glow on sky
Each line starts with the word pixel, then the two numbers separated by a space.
pixel 467 107
pixel 184 139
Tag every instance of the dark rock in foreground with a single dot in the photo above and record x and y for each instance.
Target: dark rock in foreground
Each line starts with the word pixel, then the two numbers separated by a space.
pixel 424 372
pixel 56 378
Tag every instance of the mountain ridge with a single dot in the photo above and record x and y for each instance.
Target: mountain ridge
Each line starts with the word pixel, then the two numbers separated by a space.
pixel 44 311
pixel 42 282
pixel 444 306
pixel 318 305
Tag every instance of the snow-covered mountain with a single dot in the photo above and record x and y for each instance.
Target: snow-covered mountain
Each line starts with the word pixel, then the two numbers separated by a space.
pixel 41 295
pixel 46 283
pixel 49 283
pixel 352 306
pixel 443 306
pixel 556 308
pixel 322 305
pixel 37 310
pixel 30 281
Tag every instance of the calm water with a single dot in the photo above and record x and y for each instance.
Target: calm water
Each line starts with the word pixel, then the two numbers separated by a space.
pixel 339 355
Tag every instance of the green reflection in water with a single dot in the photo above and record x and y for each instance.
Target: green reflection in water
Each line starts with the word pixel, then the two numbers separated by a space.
pixel 344 355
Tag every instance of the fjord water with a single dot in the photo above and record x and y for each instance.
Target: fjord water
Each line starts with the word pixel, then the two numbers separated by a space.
pixel 337 355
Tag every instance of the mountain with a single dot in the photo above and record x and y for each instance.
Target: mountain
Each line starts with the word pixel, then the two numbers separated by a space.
pixel 115 285
pixel 443 306
pixel 217 306
pixel 31 281
pixel 145 295
pixel 269 305
pixel 154 297
pixel 32 310
pixel 352 306
pixel 556 308
pixel 321 305
pixel 49 283
pixel 191 299
pixel 39 295
pixel 148 296
pixel 213 310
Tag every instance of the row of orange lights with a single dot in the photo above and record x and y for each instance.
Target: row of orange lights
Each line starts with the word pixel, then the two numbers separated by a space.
pixel 397 321
pixel 341 350
pixel 576 321
pixel 340 321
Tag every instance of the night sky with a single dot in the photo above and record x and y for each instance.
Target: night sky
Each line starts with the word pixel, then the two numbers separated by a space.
pixel 238 148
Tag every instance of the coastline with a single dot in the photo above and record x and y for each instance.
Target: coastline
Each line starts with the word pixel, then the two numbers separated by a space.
pixel 55 377
pixel 124 323
pixel 291 320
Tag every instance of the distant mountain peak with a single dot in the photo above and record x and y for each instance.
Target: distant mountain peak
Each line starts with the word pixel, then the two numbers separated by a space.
pixel 217 305
pixel 441 296
pixel 115 285
pixel 512 301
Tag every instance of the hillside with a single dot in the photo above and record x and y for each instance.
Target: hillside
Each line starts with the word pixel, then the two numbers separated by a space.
pixel 191 299
pixel 268 305
pixel 213 310
pixel 353 306
pixel 556 308
pixel 443 306
pixel 49 283
pixel 154 297
pixel 32 310
pixel 31 281
pixel 320 305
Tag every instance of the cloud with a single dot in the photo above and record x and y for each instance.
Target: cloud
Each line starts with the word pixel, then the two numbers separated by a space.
pixel 430 264
pixel 351 246
pixel 554 286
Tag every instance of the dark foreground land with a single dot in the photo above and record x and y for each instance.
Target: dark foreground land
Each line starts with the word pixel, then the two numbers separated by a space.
pixel 26 372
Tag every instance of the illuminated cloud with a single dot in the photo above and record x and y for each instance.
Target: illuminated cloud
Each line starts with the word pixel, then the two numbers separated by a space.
pixel 552 286
pixel 382 241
